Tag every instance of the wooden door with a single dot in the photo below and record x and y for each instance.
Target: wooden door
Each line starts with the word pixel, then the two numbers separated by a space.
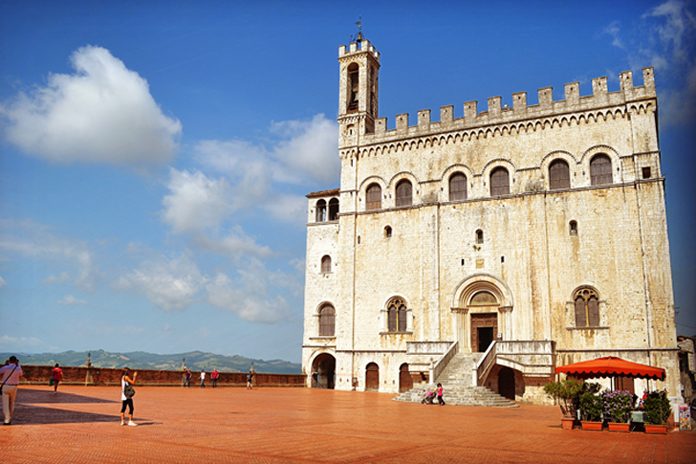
pixel 405 379
pixel 483 320
pixel 372 377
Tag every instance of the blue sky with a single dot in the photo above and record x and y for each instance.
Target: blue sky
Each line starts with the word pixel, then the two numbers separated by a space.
pixel 154 156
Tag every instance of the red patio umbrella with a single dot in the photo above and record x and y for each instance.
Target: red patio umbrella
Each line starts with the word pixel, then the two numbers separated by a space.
pixel 611 366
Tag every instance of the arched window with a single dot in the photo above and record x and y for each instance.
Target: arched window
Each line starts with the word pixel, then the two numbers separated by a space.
pixel 396 316
pixel 573 228
pixel 457 187
pixel 374 197
pixel 404 193
pixel 333 209
pixel 600 170
pixel 327 321
pixel 321 211
pixel 479 236
pixel 387 231
pixel 586 308
pixel 326 264
pixel 559 175
pixel 353 87
pixel 500 182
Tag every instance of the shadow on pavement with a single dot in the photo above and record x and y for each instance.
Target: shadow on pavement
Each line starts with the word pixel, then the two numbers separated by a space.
pixel 29 415
pixel 46 397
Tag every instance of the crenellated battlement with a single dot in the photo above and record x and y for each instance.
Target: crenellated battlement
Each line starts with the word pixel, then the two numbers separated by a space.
pixel 358 46
pixel 496 112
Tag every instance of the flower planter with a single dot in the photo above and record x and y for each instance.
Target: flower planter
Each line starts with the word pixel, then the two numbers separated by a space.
pixel 567 423
pixel 592 426
pixel 652 428
pixel 618 426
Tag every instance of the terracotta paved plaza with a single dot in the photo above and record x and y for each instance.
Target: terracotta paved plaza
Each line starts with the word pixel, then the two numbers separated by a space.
pixel 276 425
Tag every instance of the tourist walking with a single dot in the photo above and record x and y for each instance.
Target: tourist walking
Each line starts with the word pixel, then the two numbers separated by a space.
pixel 10 372
pixel 202 379
pixel 250 379
pixel 56 377
pixel 127 393
pixel 440 392
pixel 187 378
pixel 214 377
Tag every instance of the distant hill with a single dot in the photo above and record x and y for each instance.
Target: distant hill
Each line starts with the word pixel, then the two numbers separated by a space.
pixel 195 360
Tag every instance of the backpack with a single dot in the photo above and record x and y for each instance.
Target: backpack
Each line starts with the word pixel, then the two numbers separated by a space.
pixel 128 391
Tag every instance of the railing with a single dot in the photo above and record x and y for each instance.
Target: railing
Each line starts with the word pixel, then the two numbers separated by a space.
pixel 441 363
pixel 484 365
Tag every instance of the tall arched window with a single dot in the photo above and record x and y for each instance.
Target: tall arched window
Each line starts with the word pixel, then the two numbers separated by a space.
pixel 397 316
pixel 600 170
pixel 373 197
pixel 586 307
pixel 321 211
pixel 457 187
pixel 404 193
pixel 353 86
pixel 326 264
pixel 327 321
pixel 333 209
pixel 500 182
pixel 479 236
pixel 559 175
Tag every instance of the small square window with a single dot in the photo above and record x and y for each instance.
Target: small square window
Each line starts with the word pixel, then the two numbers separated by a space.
pixel 646 172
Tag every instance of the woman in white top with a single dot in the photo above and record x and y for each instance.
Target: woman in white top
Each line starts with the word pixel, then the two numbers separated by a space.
pixel 9 377
pixel 125 401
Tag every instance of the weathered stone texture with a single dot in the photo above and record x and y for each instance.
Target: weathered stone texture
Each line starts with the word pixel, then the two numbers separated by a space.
pixel 528 258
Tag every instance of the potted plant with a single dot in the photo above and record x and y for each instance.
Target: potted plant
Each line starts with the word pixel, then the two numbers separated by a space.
pixel 657 411
pixel 617 409
pixel 565 393
pixel 591 407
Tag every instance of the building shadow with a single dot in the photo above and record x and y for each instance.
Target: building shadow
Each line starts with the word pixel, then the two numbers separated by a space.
pixel 26 414
pixel 49 397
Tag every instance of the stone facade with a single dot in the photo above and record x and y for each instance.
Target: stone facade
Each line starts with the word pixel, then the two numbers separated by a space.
pixel 454 233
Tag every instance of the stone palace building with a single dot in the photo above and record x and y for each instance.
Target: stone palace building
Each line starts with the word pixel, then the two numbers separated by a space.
pixel 520 238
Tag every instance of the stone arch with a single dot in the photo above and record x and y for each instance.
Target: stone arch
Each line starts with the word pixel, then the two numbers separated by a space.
pixel 323 370
pixel 566 156
pixel 616 171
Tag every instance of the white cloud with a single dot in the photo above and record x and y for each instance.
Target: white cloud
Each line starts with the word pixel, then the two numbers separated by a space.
pixel 614 30
pixel 170 284
pixel 288 208
pixel 234 244
pixel 70 300
pixel 32 239
pixel 15 343
pixel 195 202
pixel 252 296
pixel 2 282
pixel 102 113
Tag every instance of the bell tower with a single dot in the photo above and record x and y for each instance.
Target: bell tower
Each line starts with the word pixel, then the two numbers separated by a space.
pixel 357 101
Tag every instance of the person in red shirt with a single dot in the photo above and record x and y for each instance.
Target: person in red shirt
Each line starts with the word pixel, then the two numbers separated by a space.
pixel 56 376
pixel 440 392
pixel 214 377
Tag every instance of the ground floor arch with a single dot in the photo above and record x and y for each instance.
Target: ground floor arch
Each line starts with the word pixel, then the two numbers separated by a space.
pixel 323 371
pixel 506 383
pixel 372 377
pixel 405 379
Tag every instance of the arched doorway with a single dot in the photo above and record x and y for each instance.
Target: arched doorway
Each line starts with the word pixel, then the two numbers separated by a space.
pixel 506 383
pixel 405 379
pixel 372 377
pixel 323 371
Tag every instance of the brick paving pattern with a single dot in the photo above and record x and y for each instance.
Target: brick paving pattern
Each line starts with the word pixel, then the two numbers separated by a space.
pixel 297 425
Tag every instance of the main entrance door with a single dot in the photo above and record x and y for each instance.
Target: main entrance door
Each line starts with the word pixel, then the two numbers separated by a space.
pixel 484 329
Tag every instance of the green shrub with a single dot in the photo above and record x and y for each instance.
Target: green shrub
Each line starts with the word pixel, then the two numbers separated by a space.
pixel 566 393
pixel 657 408
pixel 591 402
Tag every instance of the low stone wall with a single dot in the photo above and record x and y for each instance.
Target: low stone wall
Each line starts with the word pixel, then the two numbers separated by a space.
pixel 106 376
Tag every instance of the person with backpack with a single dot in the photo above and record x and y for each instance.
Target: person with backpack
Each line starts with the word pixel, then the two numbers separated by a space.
pixel 127 392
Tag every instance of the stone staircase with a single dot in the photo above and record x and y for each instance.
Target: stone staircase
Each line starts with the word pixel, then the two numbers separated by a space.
pixel 457 383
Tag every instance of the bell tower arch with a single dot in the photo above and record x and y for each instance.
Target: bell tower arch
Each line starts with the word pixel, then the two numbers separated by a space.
pixel 358 90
